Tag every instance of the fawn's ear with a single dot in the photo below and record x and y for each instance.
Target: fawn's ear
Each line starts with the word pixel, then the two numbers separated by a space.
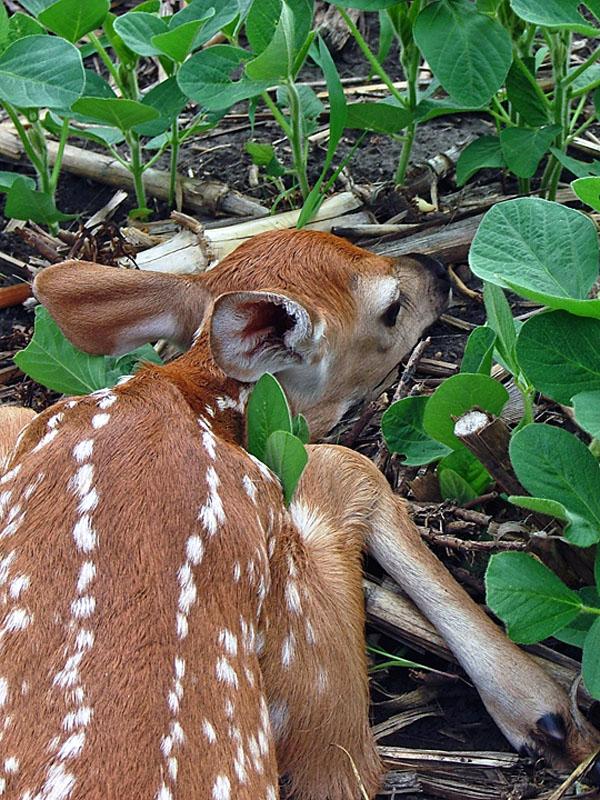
pixel 256 332
pixel 110 311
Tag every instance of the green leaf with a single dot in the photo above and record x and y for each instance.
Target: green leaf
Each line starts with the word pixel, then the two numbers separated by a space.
pixel 560 354
pixel 204 78
pixel 365 5
pixel 8 178
pixel 23 202
pixel 479 351
pixel 500 320
pixel 588 191
pixel 267 411
pixel 483 152
pixel 276 61
pixel 177 43
pixel 36 7
pixel 72 19
pixel 287 457
pixel 21 25
pixel 429 108
pixel 402 427
pixel 525 95
pixel 528 597
pixel 464 464
pixel 590 664
pixel 586 406
pixel 119 112
pixel 450 33
pixel 553 14
pixel 169 101
pixel 555 465
pixel 454 397
pixel 263 18
pixel 263 155
pixel 551 508
pixel 51 78
pixel 379 117
pixel 137 30
pixel 224 12
pixel 582 169
pixel 597 570
pixel 50 359
pixel 3 27
pixel 300 428
pixel 454 487
pixel 524 148
pixel 542 250
pixel 576 631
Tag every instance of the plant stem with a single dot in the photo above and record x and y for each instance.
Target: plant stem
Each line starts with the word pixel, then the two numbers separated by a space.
pixel 173 163
pixel 106 60
pixel 279 118
pixel 137 168
pixel 64 135
pixel 27 146
pixel 410 63
pixel 374 63
pixel 297 139
pixel 582 67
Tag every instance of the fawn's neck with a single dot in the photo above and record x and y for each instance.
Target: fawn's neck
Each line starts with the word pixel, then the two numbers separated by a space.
pixel 208 391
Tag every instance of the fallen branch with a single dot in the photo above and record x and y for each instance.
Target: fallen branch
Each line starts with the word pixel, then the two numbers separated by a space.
pixel 207 196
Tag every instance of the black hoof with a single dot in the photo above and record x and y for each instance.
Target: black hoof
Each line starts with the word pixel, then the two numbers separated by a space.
pixel 592 776
pixel 553 727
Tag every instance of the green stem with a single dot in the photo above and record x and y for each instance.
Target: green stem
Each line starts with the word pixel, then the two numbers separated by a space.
pixel 27 146
pixel 586 89
pixel 582 67
pixel 590 610
pixel 297 139
pixel 173 164
pixel 400 173
pixel 583 127
pixel 106 60
pixel 38 140
pixel 279 118
pixel 64 135
pixel 374 63
pixel 137 169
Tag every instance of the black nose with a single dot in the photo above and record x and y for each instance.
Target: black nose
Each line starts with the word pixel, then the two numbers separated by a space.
pixel 433 265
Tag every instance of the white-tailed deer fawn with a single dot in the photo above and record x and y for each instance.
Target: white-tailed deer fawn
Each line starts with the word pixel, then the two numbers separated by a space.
pixel 169 629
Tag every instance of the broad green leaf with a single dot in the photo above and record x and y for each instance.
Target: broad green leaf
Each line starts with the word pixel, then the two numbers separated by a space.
pixel 300 428
pixel 364 5
pixel 72 19
pixel 286 456
pixel 597 570
pixel 450 33
pixel 479 351
pixel 530 599
pixel 525 95
pixel 483 152
pixel 177 43
pixel 36 7
pixel 402 427
pixel 551 508
pixel 21 25
pixel 588 191
pixel 590 663
pixel 50 359
pixel 543 250
pixel 263 17
pixel 3 27
pixel 589 75
pixel 263 155
pixel 380 117
pixel 553 14
pixel 555 465
pixel 582 169
pixel 586 406
pixel 524 148
pixel 275 62
pixel 224 11
pixel 560 354
pixel 23 202
pixel 500 320
pixel 338 108
pixel 137 30
pixel 575 632
pixel 470 470
pixel 205 78
pixel 119 112
pixel 8 178
pixel 454 397
pixel 93 133
pixel 267 411
pixel 454 487
pixel 166 98
pixel 41 71
pixel 430 108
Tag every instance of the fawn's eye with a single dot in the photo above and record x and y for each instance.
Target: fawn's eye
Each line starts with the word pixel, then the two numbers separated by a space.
pixel 390 315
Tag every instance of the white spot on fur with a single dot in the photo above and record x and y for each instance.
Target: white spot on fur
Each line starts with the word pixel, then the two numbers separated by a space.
pixel 45 440
pixel 310 632
pixel 55 420
pixel 84 535
pixel 288 650
pixel 293 598
pixel 83 607
pixel 18 585
pixel 87 573
pixel 17 619
pixel 59 784
pixel 83 451
pixel 3 691
pixel 249 487
pixel 221 788
pixel 107 401
pixel 172 767
pixel 226 673
pixel 77 719
pixel 8 476
pixel 279 716
pixel 307 520
pixel 182 626
pixel 73 746
pixel 271 793
pixel 228 641
pixel 209 731
pixel 194 549
pixel 11 765
pixel 237 571
pixel 211 513
pixel 100 420
pixel 164 793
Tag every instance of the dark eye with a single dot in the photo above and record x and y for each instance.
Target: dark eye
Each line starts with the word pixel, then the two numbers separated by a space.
pixel 390 315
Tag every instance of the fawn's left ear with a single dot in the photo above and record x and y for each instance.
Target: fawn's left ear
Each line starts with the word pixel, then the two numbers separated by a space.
pixel 256 332
pixel 109 311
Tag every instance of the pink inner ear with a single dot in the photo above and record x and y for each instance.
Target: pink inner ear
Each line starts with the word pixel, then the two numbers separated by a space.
pixel 267 323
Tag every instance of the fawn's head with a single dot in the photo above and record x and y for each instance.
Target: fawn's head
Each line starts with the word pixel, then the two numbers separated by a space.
pixel 330 319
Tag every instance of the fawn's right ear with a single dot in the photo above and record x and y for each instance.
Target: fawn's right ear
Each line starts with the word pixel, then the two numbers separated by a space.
pixel 110 311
